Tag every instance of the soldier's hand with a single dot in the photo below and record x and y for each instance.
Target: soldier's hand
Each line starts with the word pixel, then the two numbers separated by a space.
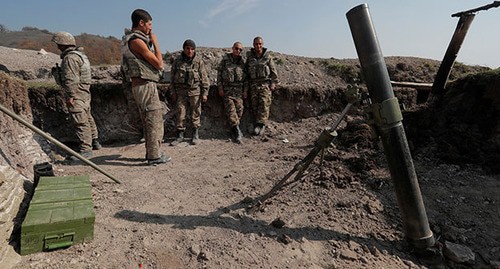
pixel 204 98
pixel 221 92
pixel 245 95
pixel 153 37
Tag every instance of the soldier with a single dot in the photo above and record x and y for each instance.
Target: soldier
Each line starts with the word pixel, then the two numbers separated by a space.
pixel 262 80
pixel 230 79
pixel 142 63
pixel 74 77
pixel 190 86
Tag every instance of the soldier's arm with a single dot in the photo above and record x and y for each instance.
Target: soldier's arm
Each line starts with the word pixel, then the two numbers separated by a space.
pixel 246 82
pixel 140 48
pixel 219 78
pixel 173 69
pixel 205 83
pixel 70 68
pixel 274 73
pixel 220 67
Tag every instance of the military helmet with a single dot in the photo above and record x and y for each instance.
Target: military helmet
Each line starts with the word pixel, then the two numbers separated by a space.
pixel 63 38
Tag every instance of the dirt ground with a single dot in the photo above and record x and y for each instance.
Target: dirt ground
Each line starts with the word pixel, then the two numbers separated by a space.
pixel 192 212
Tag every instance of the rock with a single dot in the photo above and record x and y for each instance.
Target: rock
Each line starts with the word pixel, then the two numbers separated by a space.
pixel 278 223
pixel 495 264
pixel 204 255
pixel 354 246
pixel 348 254
pixel 195 250
pixel 285 239
pixel 42 52
pixel 458 253
pixel 374 207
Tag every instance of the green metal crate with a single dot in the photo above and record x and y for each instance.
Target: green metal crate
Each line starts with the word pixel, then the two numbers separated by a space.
pixel 61 214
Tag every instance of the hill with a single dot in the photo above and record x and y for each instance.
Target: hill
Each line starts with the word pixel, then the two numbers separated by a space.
pixel 100 50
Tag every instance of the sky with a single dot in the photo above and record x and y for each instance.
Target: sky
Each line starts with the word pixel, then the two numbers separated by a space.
pixel 311 28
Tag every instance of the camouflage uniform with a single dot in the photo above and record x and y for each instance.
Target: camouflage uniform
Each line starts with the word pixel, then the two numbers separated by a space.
pixel 230 77
pixel 190 81
pixel 145 94
pixel 260 73
pixel 75 78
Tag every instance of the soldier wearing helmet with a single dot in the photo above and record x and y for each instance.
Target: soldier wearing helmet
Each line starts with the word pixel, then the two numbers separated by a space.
pixel 74 77
pixel 64 38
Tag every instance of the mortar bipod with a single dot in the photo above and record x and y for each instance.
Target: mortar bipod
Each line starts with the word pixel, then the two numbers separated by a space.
pixel 324 140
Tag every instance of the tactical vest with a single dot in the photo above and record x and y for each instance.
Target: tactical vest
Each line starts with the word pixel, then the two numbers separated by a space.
pixel 258 68
pixel 85 70
pixel 232 71
pixel 135 67
pixel 187 72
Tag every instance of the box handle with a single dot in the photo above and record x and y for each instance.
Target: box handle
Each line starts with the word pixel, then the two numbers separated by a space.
pixel 60 240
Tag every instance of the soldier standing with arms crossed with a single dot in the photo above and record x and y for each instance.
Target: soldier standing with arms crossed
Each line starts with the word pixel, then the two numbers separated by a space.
pixel 190 88
pixel 74 76
pixel 262 80
pixel 230 79
pixel 143 63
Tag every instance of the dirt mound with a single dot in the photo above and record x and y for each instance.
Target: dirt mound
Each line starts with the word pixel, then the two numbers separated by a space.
pixel 19 148
pixel 464 127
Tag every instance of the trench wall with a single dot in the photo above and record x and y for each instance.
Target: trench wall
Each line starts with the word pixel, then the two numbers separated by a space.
pixel 117 118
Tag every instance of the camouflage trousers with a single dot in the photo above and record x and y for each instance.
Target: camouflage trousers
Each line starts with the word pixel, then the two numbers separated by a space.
pixel 188 104
pixel 233 106
pixel 150 109
pixel 134 121
pixel 85 128
pixel 260 101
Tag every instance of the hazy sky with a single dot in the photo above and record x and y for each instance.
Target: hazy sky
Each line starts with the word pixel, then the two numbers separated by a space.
pixel 313 28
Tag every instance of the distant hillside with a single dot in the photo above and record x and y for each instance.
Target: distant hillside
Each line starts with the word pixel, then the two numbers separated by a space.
pixel 101 50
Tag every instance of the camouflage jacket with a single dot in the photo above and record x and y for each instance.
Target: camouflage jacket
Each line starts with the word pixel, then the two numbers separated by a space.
pixel 75 73
pixel 231 72
pixel 261 69
pixel 189 74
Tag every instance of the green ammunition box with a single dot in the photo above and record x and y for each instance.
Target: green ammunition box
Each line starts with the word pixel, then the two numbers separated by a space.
pixel 54 183
pixel 61 214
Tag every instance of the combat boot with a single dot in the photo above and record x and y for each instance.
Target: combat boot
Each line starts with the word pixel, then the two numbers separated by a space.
pixel 84 154
pixel 96 145
pixel 256 129
pixel 196 137
pixel 238 134
pixel 259 128
pixel 262 128
pixel 163 159
pixel 179 139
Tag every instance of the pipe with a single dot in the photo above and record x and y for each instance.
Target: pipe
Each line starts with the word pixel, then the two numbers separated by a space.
pixel 388 122
pixel 450 56
pixel 55 141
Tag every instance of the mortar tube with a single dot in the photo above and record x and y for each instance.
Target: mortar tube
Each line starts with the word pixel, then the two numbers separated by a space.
pixel 56 142
pixel 397 152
